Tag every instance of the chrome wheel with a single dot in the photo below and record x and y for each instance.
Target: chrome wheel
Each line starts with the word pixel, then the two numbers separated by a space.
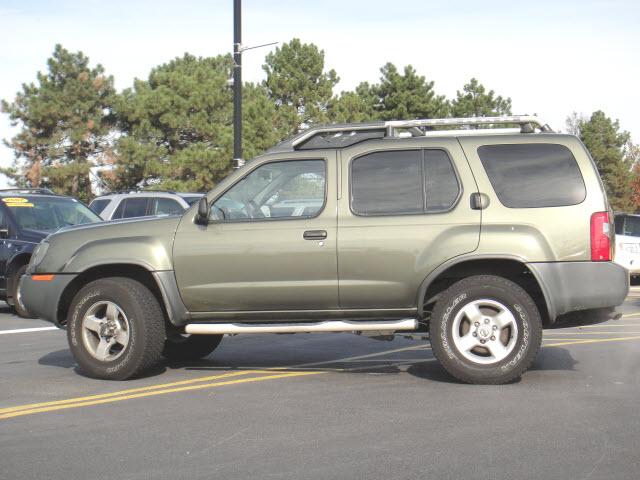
pixel 105 331
pixel 484 331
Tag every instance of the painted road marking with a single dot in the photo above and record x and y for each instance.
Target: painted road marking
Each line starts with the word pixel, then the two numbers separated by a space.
pixel 592 340
pixel 173 387
pixel 129 391
pixel 27 330
pixel 152 393
pixel 598 332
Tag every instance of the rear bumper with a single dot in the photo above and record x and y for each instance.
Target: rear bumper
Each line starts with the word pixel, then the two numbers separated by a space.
pixel 572 286
pixel 41 298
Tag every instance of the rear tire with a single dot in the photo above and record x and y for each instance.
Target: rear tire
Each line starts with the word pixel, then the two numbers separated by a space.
pixel 190 347
pixel 485 330
pixel 116 329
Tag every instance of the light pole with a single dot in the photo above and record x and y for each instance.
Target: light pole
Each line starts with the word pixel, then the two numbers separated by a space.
pixel 237 83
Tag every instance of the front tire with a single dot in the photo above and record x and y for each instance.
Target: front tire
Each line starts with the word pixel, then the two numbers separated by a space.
pixel 485 330
pixel 116 329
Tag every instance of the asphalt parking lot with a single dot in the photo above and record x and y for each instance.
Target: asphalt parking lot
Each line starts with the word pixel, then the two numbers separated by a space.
pixel 333 406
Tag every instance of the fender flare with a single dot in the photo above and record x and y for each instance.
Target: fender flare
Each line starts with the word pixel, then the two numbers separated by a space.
pixel 426 283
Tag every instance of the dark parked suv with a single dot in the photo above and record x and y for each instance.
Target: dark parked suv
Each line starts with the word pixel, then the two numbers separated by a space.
pixel 478 236
pixel 26 217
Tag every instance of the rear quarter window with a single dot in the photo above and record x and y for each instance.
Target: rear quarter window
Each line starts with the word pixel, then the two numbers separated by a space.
pixel 533 175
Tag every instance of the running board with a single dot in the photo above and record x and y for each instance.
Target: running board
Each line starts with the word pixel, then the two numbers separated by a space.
pixel 328 326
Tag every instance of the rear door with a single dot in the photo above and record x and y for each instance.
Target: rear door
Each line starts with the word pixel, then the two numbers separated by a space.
pixel 403 211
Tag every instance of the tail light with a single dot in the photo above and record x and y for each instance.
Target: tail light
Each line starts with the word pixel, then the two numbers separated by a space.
pixel 600 237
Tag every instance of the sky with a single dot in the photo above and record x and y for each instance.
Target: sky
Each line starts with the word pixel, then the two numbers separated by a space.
pixel 552 57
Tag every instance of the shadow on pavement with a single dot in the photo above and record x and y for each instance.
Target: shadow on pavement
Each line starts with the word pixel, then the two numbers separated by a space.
pixel 581 318
pixel 554 359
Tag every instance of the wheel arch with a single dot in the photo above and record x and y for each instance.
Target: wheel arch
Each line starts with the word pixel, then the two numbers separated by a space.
pixel 13 265
pixel 159 283
pixel 507 266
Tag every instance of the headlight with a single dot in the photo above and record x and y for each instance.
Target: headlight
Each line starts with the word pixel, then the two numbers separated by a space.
pixel 38 254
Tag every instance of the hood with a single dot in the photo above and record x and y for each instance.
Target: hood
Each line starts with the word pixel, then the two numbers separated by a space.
pixel 147 242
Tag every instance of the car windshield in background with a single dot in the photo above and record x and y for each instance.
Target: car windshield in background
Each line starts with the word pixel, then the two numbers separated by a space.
pixel 48 213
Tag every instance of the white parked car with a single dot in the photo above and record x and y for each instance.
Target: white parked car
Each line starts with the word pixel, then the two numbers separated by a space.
pixel 142 204
pixel 628 242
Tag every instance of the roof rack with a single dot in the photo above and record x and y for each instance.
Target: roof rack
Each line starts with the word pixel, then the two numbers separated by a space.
pixel 42 191
pixel 334 135
pixel 133 190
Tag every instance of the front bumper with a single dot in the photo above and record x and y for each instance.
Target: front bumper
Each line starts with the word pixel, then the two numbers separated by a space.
pixel 572 286
pixel 42 298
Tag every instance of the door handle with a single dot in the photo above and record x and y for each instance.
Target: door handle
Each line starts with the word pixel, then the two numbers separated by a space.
pixel 315 235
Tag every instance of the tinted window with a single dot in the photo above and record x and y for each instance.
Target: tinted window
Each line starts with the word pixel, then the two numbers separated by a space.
pixel 134 207
pixel 387 183
pixel 403 182
pixel 290 189
pixel 99 205
pixel 631 226
pixel 441 181
pixel 166 206
pixel 533 175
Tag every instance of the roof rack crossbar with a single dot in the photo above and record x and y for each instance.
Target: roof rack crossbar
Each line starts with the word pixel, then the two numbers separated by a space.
pixel 527 124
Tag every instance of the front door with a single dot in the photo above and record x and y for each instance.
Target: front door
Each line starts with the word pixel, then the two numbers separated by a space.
pixel 270 244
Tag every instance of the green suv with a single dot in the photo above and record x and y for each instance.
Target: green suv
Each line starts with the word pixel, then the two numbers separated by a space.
pixel 478 236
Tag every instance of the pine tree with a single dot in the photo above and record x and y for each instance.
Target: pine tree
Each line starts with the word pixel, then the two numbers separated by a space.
pixel 606 143
pixel 65 119
pixel 299 85
pixel 475 101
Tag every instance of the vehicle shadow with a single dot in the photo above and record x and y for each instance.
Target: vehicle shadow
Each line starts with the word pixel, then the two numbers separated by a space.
pixel 64 359
pixel 582 318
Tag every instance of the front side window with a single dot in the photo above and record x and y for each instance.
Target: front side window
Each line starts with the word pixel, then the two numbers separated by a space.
pixel 99 204
pixel 533 175
pixel 278 190
pixel 403 182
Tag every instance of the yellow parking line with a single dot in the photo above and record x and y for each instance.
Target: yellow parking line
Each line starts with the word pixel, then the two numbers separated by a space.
pixel 152 393
pixel 596 332
pixel 614 325
pixel 129 391
pixel 592 340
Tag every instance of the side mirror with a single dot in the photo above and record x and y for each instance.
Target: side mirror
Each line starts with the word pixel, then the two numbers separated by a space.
pixel 202 216
pixel 4 232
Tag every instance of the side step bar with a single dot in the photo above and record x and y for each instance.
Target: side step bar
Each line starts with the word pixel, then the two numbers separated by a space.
pixel 328 326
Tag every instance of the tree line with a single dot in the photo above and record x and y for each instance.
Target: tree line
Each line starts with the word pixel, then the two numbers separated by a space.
pixel 174 129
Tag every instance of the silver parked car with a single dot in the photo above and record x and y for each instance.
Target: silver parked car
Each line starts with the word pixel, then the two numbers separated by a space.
pixel 142 204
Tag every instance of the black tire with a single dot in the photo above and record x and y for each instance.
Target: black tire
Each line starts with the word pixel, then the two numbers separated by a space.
pixel 190 347
pixel 521 339
pixel 18 306
pixel 146 331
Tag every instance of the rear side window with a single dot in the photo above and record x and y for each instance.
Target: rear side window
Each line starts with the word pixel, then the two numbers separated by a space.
pixel 403 182
pixel 166 206
pixel 533 175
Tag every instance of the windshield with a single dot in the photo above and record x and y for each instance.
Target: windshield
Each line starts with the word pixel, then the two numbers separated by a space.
pixel 48 213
